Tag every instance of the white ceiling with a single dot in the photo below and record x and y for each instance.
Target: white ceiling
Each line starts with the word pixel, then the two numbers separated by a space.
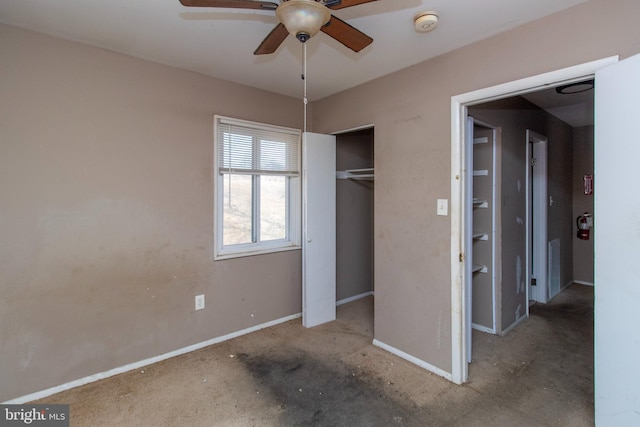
pixel 220 42
pixel 576 109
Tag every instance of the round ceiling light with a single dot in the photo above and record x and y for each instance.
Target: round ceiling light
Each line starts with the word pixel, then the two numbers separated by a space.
pixel 425 21
pixel 577 87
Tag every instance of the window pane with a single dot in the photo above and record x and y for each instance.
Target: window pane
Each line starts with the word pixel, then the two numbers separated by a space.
pixel 273 207
pixel 236 209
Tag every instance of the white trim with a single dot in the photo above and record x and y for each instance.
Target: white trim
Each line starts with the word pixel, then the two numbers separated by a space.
pixel 562 288
pixel 534 83
pixel 536 203
pixel 292 241
pixel 355 129
pixel 354 298
pixel 412 359
pixel 483 328
pixel 494 226
pixel 459 364
pixel 146 362
pixel 527 222
pixel 266 249
pixel 513 325
pixel 566 285
pixel 580 282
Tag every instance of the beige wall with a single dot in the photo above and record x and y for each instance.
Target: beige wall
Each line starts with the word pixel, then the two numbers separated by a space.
pixel 106 213
pixel 582 165
pixel 411 113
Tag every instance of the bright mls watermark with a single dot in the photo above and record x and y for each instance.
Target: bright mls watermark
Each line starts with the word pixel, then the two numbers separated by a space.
pixel 34 415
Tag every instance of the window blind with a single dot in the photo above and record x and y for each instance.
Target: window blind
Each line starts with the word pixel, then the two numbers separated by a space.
pixel 257 149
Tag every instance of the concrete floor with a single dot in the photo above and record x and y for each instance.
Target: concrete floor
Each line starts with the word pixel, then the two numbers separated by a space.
pixel 540 374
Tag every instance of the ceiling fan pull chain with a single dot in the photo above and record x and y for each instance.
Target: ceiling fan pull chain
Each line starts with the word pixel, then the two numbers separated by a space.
pixel 304 79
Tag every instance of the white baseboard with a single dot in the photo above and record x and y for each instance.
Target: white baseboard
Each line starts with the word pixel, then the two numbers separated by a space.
pixel 145 362
pixel 414 360
pixel 513 325
pixel 580 282
pixel 354 298
pixel 483 328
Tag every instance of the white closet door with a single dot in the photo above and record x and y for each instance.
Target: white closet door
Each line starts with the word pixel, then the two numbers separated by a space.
pixel 617 244
pixel 319 229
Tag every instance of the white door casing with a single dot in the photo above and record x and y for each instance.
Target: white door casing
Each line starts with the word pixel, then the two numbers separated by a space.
pixel 537 213
pixel 459 103
pixel 468 224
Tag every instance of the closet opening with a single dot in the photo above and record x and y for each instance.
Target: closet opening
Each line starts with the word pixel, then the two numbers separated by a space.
pixel 354 223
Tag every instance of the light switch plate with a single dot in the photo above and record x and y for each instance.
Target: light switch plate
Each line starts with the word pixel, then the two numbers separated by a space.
pixel 443 207
pixel 199 302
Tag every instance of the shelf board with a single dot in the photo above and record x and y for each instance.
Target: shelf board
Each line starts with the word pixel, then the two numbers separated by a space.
pixel 481 172
pixel 481 236
pixel 480 203
pixel 479 268
pixel 481 140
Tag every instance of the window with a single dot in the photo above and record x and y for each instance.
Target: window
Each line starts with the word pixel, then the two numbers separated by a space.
pixel 257 188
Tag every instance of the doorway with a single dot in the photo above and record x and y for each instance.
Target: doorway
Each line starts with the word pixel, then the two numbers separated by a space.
pixel 460 106
pixel 532 266
pixel 354 215
pixel 536 218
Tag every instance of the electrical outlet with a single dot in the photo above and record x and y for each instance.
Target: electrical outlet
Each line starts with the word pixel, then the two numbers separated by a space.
pixel 199 302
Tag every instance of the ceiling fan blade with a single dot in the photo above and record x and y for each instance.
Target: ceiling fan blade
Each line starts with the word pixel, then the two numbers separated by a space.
pixel 341 4
pixel 231 4
pixel 349 36
pixel 271 43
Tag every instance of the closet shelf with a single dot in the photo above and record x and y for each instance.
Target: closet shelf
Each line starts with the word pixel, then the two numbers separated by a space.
pixel 481 140
pixel 481 172
pixel 479 268
pixel 480 203
pixel 481 236
pixel 356 174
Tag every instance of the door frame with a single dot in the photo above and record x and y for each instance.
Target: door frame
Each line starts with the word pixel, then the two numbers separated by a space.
pixel 537 212
pixel 459 196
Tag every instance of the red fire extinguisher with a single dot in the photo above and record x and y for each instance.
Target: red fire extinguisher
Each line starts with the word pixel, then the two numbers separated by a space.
pixel 585 223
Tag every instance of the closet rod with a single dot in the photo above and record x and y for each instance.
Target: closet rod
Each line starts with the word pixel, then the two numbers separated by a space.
pixel 357 174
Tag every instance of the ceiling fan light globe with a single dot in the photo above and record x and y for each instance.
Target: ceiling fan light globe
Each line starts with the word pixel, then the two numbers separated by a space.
pixel 303 18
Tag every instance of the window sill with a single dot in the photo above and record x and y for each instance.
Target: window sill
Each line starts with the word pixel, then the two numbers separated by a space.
pixel 258 251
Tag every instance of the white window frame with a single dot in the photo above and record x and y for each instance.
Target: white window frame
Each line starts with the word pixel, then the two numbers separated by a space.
pixel 293 239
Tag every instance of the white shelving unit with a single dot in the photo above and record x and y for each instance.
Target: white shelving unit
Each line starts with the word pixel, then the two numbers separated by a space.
pixel 483 303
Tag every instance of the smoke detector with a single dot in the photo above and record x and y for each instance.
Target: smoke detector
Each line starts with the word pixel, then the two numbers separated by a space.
pixel 425 21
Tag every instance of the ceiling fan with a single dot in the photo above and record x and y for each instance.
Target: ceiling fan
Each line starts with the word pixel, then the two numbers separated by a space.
pixel 300 18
